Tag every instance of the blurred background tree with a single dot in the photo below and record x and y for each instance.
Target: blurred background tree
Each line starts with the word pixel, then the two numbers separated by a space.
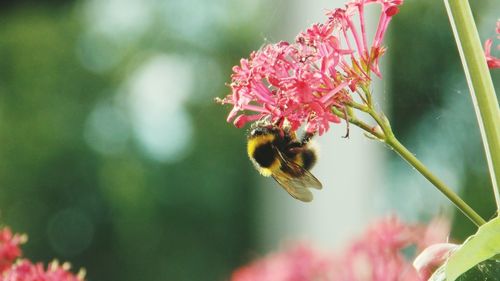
pixel 114 157
pixel 104 162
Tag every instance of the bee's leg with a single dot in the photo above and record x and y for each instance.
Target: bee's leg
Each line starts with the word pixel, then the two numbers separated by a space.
pixel 295 148
pixel 306 138
pixel 299 146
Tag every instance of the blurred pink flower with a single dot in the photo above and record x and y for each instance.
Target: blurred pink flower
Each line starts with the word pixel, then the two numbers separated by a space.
pixel 9 247
pixel 432 257
pixel 24 270
pixel 493 62
pixel 302 81
pixel 377 255
pixel 296 263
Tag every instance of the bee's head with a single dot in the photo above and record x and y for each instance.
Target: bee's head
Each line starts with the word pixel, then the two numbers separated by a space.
pixel 264 129
pixel 259 131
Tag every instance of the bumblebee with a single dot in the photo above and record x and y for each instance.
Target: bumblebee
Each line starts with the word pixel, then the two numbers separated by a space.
pixel 279 153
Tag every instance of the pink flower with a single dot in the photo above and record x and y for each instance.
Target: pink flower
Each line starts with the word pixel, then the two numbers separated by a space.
pixel 377 255
pixel 493 62
pixel 301 82
pixel 432 257
pixel 24 270
pixel 9 247
pixel 296 263
pixel 433 251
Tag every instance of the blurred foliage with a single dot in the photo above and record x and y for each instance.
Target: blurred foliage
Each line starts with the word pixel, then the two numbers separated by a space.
pixel 428 47
pixel 121 215
pixel 425 89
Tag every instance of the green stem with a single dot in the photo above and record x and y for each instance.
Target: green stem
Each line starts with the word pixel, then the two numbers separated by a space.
pixel 386 135
pixel 394 143
pixel 356 105
pixel 413 161
pixel 480 85
pixel 367 128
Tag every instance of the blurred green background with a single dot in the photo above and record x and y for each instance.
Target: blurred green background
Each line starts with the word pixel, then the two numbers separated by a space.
pixel 114 157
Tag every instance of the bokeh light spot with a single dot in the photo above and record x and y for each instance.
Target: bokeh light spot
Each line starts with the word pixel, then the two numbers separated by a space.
pixel 97 53
pixel 107 129
pixel 157 92
pixel 70 232
pixel 121 20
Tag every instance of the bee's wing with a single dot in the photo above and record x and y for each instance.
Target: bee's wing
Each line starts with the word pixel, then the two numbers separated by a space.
pixel 295 179
pixel 300 174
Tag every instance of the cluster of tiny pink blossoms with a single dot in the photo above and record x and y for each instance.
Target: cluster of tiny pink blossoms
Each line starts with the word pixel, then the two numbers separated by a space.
pixel 493 62
pixel 300 82
pixel 24 270
pixel 298 262
pixel 9 248
pixel 15 268
pixel 375 256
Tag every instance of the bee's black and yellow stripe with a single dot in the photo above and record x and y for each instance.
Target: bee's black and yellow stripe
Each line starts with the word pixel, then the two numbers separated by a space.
pixel 306 158
pixel 262 152
pixel 278 153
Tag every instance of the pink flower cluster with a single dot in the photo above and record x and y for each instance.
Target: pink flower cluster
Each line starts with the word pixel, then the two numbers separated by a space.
pixel 493 62
pixel 9 247
pixel 375 256
pixel 25 270
pixel 297 263
pixel 300 82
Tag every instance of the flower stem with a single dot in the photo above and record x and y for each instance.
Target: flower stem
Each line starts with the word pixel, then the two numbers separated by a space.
pixel 374 132
pixel 480 85
pixel 394 143
pixel 386 135
pixel 413 161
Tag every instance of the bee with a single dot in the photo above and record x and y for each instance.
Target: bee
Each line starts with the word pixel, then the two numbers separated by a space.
pixel 277 152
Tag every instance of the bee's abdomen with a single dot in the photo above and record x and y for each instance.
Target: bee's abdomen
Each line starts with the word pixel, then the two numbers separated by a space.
pixel 265 155
pixel 308 158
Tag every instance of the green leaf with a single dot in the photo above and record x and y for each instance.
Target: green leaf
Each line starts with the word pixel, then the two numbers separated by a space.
pixel 477 248
pixel 488 270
